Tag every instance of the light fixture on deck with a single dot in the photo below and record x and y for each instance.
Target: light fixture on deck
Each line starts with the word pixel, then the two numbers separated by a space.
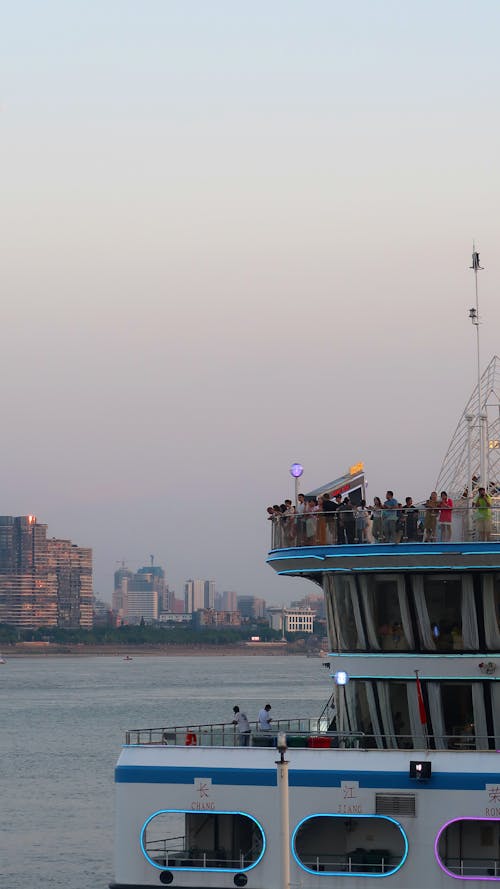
pixel 341 677
pixel 420 770
pixel 296 470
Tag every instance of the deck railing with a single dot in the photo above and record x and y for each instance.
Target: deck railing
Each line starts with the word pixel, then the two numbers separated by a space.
pixel 220 734
pixel 421 525
pixel 471 867
pixel 375 864
pixel 305 733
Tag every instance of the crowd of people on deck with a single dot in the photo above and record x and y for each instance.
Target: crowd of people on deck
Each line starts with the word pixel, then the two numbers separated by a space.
pixel 322 520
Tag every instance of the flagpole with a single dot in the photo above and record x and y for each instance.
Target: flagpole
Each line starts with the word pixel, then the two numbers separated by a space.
pixel 421 710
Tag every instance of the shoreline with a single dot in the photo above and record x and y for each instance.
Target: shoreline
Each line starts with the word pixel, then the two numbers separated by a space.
pixel 131 651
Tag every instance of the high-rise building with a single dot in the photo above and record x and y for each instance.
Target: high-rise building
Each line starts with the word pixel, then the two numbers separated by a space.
pixel 228 600
pixel 142 603
pixel 209 594
pixel 251 607
pixel 194 595
pixel 122 577
pixel 43 582
pixel 139 596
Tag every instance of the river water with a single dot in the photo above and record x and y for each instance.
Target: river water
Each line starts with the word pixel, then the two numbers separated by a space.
pixel 62 722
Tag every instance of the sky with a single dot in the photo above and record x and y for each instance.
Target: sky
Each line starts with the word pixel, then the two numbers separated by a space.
pixel 235 236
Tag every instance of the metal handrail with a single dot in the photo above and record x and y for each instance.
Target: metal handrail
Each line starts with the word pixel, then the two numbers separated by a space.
pixel 388 525
pixel 306 730
pixel 346 863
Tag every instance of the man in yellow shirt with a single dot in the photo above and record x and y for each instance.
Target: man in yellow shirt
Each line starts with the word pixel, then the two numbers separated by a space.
pixel 482 504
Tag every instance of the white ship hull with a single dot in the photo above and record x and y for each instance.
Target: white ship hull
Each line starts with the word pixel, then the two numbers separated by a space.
pixel 346 784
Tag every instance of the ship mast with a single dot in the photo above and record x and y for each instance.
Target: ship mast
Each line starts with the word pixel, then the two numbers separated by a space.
pixel 481 420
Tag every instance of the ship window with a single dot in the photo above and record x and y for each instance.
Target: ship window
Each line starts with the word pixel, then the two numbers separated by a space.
pixel 347 624
pixel 464 715
pixel 387 615
pixel 362 713
pixel 443 599
pixel 360 845
pixel 202 840
pixel 491 609
pixel 468 848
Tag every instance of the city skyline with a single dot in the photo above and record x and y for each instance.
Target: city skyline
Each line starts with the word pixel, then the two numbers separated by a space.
pixel 234 238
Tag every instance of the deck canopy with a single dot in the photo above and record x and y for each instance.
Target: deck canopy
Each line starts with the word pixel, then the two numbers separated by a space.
pixel 352 484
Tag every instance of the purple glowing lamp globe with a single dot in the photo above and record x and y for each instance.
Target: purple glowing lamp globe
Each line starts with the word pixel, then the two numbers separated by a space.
pixel 296 470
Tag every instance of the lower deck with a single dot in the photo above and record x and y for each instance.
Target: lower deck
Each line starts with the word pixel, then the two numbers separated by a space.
pixel 212 816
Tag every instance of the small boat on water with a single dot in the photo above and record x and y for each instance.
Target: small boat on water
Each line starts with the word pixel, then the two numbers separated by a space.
pixel 2 659
pixel 128 658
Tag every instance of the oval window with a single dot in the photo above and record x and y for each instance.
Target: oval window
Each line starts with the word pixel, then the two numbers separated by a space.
pixel 174 838
pixel 344 845
pixel 468 848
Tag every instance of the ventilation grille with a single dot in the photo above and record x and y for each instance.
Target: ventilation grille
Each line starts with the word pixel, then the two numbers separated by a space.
pixel 402 804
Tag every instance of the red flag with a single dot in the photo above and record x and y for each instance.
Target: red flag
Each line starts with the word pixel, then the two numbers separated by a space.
pixel 421 705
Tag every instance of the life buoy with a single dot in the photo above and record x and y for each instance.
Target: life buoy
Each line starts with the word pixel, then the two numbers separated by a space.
pixel 191 739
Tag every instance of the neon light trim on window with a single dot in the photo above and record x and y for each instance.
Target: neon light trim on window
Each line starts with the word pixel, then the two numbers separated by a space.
pixel 226 870
pixel 352 873
pixel 443 867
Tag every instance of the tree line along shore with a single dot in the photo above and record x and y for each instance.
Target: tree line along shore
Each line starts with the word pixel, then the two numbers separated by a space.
pixel 147 640
pixel 267 649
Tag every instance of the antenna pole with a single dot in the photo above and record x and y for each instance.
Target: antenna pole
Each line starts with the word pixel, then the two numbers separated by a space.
pixel 474 316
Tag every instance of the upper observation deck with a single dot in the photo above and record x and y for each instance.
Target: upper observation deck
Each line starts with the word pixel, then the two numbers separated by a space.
pixel 355 539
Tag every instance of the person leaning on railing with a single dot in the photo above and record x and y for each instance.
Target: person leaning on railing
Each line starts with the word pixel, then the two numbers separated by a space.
pixel 482 504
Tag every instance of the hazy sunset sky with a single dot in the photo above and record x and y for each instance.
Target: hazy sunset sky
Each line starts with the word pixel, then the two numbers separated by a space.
pixel 234 236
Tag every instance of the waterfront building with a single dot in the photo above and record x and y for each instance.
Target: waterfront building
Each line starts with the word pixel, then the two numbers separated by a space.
pixel 291 620
pixel 43 582
pixel 208 617
pixel 175 617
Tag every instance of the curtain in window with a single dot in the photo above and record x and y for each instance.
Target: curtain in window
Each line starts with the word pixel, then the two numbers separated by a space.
pixel 361 641
pixel 480 727
pixel 333 630
pixel 351 717
pixel 416 727
pixel 469 622
pixel 424 624
pixel 386 712
pixel 495 707
pixel 491 630
pixel 372 707
pixel 366 584
pixel 405 613
pixel 436 714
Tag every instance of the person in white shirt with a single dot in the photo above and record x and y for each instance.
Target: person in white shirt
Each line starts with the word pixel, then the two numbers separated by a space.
pixel 264 719
pixel 241 722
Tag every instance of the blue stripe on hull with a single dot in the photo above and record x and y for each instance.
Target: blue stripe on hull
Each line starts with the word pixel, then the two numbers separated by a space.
pixel 303 778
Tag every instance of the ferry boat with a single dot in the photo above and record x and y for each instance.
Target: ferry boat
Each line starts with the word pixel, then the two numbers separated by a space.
pixel 397 779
